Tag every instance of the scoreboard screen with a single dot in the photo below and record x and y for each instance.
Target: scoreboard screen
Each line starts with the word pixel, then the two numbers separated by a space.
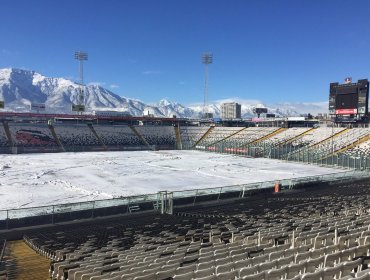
pixel 346 101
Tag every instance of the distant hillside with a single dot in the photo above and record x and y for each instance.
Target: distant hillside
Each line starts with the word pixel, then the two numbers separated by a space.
pixel 19 88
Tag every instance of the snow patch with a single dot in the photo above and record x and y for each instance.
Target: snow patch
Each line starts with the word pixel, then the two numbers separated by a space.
pixel 47 179
pixel 20 88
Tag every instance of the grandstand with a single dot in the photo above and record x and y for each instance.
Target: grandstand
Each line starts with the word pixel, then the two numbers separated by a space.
pixel 76 136
pixel 236 142
pixel 316 136
pixel 343 140
pixel 191 135
pixel 34 135
pixel 322 142
pixel 28 138
pixel 303 228
pixel 3 139
pixel 163 136
pixel 117 136
pixel 313 232
pixel 360 149
pixel 218 134
pixel 287 135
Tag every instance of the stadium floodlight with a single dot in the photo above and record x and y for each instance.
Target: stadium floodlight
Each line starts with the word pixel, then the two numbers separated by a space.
pixel 81 57
pixel 207 58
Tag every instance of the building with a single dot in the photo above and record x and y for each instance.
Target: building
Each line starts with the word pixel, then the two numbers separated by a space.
pixel 231 110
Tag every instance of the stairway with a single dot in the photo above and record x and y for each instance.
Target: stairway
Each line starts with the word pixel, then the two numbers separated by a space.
pixel 297 136
pixel 229 136
pixel 97 136
pixel 277 131
pixel 142 139
pixel 23 263
pixel 314 146
pixel 358 142
pixel 330 138
pixel 345 148
pixel 178 138
pixel 204 136
pixel 8 134
pixel 52 130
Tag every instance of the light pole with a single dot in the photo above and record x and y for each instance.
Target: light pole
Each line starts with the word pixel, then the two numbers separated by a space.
pixel 207 58
pixel 81 57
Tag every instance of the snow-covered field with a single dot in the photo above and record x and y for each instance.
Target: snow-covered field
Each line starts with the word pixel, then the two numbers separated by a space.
pixel 30 180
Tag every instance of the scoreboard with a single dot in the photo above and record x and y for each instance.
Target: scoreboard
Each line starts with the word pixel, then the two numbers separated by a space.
pixel 349 99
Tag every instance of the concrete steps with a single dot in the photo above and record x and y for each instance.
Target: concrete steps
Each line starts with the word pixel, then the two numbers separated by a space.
pixel 92 129
pixel 23 263
pixel 56 138
pixel 277 131
pixel 8 134
pixel 296 137
pixel 204 136
pixel 142 139
pixel 229 136
pixel 178 138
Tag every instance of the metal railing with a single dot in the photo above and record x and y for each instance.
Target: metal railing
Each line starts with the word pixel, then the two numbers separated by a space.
pixel 298 153
pixel 76 206
pixel 284 183
pixel 163 201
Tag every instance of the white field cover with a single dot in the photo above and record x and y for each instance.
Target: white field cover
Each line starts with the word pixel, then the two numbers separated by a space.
pixel 29 180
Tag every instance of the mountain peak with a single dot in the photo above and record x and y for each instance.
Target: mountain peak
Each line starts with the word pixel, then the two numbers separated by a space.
pixel 19 88
pixel 7 73
pixel 165 102
pixel 19 71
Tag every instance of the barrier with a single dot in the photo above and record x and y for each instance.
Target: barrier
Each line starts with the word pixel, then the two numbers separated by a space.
pixel 289 152
pixel 163 201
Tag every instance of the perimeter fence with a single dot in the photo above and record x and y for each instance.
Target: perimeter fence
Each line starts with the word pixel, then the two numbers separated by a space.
pixel 326 155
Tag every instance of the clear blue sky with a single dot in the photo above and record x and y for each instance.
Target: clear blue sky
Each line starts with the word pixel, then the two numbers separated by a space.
pixel 273 51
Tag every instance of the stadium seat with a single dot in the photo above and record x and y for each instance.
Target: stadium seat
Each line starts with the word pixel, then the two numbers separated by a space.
pixel 257 276
pixel 276 274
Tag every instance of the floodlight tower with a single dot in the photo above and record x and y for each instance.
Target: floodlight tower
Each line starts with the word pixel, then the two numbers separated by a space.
pixel 207 58
pixel 81 57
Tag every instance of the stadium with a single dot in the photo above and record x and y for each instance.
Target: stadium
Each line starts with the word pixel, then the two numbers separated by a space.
pixel 162 198
pixel 160 165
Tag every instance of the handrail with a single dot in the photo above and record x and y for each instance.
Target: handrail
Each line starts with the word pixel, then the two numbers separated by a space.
pixel 82 202
pixel 267 182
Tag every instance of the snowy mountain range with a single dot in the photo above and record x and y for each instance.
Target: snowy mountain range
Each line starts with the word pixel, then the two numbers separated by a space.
pixel 19 88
